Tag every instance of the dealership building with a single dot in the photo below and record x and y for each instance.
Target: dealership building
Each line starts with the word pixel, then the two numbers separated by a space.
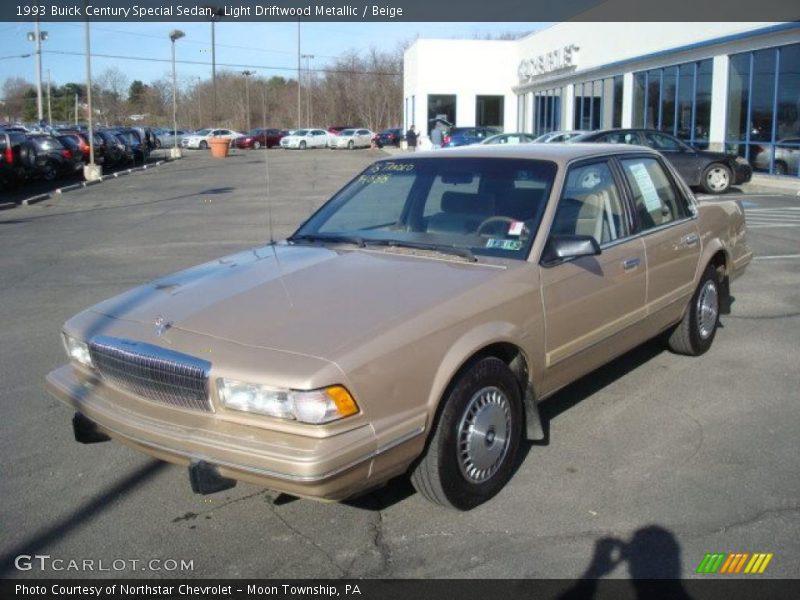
pixel 732 86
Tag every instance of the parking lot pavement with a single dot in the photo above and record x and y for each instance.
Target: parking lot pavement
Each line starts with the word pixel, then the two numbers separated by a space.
pixel 666 457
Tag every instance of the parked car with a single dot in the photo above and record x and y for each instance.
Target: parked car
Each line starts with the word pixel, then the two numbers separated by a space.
pixel 165 138
pixel 81 140
pixel 465 136
pixel 117 150
pixel 509 138
pixel 260 138
pixel 13 167
pixel 559 136
pixel 388 137
pixel 336 129
pixel 787 157
pixel 50 159
pixel 199 139
pixel 135 140
pixel 306 138
pixel 401 327
pixel 351 138
pixel 713 172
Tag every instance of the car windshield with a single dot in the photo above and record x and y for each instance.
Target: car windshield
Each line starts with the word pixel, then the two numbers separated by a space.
pixel 254 132
pixel 481 206
pixel 301 132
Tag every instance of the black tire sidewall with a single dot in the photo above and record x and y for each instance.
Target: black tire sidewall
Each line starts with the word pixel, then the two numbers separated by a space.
pixel 460 492
pixel 203 145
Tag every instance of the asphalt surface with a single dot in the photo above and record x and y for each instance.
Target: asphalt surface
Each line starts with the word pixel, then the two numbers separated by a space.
pixel 657 458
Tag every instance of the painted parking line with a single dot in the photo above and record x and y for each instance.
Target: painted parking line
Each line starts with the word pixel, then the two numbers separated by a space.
pixel 777 257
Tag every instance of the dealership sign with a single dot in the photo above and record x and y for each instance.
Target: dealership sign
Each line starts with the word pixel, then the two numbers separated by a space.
pixel 551 62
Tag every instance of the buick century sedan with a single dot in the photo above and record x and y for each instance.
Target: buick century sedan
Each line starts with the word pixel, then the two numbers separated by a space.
pixel 412 325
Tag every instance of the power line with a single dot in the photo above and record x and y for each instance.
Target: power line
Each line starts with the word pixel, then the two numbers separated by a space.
pixel 15 56
pixel 231 65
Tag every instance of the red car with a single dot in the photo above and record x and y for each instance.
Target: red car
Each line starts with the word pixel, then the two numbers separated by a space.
pixel 260 138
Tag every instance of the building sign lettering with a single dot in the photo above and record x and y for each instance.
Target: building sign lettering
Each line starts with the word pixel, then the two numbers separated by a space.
pixel 557 60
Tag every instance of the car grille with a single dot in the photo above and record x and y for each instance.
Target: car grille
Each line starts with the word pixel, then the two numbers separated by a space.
pixel 152 372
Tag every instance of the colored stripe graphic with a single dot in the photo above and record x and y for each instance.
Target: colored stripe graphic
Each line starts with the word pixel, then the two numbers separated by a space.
pixel 733 563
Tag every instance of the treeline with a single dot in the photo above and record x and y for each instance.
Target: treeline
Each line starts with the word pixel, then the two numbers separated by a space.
pixel 355 89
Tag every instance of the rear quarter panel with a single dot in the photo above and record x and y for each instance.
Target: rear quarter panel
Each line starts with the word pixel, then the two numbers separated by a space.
pixel 722 226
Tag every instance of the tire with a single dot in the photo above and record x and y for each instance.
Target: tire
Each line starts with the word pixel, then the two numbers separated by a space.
pixel 256 145
pixel 781 168
pixel 471 453
pixel 302 146
pixel 695 333
pixel 49 172
pixel 716 179
pixel 203 145
pixel 350 145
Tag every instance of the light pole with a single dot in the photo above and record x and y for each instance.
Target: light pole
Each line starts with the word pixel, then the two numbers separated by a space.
pixel 247 75
pixel 49 102
pixel 298 74
pixel 91 172
pixel 309 113
pixel 175 152
pixel 38 37
pixel 216 14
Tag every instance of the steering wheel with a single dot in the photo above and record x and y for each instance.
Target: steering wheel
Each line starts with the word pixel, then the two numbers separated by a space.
pixel 496 219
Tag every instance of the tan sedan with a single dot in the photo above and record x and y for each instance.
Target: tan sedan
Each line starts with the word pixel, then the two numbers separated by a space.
pixel 411 325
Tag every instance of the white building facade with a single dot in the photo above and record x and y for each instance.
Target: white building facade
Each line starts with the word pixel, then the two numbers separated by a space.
pixel 722 86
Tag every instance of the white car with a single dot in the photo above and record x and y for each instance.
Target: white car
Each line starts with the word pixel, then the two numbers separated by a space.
pixel 199 139
pixel 306 138
pixel 351 138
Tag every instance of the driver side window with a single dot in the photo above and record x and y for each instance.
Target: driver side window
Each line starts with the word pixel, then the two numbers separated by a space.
pixel 590 205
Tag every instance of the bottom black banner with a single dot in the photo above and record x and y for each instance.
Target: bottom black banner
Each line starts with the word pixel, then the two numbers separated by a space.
pixel 403 589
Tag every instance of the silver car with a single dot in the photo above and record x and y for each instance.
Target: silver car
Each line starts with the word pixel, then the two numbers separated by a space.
pixel 558 136
pixel 351 138
pixel 787 157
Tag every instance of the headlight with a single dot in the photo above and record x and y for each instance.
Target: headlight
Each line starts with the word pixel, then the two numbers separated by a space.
pixel 77 350
pixel 316 406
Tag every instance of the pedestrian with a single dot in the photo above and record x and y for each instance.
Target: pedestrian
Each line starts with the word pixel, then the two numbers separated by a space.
pixel 411 139
pixel 437 136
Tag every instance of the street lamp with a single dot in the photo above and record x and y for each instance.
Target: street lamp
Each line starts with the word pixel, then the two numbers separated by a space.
pixel 247 75
pixel 175 152
pixel 91 172
pixel 216 15
pixel 309 112
pixel 38 37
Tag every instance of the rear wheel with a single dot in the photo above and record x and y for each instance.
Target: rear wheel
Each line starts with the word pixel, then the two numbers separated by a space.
pixel 716 179
pixel 471 454
pixel 695 333
pixel 49 172
pixel 781 168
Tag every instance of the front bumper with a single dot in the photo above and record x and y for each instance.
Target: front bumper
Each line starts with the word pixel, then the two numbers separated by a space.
pixel 332 468
pixel 743 173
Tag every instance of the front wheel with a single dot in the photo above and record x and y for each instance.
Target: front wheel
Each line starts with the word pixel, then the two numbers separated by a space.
pixel 695 333
pixel 256 145
pixel 471 454
pixel 203 145
pixel 716 179
pixel 302 145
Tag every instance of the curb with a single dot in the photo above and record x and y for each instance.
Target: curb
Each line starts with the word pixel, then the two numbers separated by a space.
pixel 82 184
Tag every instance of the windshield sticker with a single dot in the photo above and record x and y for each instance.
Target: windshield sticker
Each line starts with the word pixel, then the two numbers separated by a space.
pixel 503 244
pixel 516 228
pixel 381 172
pixel 646 186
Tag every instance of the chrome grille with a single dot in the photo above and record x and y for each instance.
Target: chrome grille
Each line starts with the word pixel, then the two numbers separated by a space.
pixel 152 372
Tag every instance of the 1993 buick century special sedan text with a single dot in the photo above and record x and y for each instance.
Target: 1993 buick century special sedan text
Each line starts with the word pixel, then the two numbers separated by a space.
pixel 412 324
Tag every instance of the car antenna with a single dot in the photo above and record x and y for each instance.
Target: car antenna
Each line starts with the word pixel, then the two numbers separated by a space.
pixel 271 232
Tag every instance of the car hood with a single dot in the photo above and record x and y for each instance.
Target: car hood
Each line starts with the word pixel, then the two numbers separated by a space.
pixel 305 299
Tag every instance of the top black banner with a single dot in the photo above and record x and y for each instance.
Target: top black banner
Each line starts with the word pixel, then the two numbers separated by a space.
pixel 399 10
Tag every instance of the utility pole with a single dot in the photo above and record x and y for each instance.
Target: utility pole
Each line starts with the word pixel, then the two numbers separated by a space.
pixel 309 111
pixel 216 14
pixel 37 36
pixel 298 74
pixel 91 172
pixel 49 102
pixel 247 75
pixel 174 36
pixel 76 109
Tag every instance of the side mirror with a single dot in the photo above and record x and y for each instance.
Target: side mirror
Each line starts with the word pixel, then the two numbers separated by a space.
pixel 563 247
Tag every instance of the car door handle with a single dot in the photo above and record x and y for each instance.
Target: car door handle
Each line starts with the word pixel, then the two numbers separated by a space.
pixel 691 239
pixel 631 263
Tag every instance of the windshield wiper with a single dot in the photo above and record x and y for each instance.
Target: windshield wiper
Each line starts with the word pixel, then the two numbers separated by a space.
pixel 443 248
pixel 340 239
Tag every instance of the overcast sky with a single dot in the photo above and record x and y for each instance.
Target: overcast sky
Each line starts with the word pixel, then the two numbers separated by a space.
pixel 269 48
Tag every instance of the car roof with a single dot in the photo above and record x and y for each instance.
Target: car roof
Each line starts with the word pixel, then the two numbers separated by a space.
pixel 559 153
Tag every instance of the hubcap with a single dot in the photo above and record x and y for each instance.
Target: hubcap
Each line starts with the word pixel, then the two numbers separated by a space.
pixel 484 434
pixel 718 179
pixel 707 309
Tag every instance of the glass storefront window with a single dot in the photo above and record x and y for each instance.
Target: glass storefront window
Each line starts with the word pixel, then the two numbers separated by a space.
pixel 675 99
pixel 489 111
pixel 547 111
pixel 616 117
pixel 441 106
pixel 763 109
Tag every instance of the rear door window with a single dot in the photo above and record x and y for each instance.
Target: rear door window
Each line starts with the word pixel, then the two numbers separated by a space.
pixel 655 199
